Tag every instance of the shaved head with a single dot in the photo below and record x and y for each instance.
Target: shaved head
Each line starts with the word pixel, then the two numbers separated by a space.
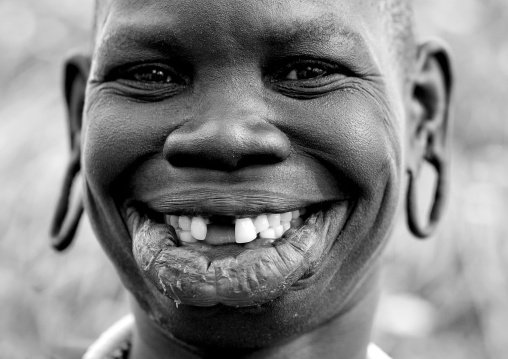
pixel 399 24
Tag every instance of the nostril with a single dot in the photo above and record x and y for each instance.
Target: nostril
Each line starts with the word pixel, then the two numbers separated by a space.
pixel 201 157
pixel 258 160
pixel 227 146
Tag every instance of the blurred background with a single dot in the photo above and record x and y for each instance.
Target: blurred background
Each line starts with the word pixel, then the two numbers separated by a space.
pixel 442 298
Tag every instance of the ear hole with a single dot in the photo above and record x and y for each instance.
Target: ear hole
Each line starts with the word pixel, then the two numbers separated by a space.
pixel 76 190
pixel 425 188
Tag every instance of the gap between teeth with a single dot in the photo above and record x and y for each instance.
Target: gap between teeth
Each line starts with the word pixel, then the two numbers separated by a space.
pixel 265 226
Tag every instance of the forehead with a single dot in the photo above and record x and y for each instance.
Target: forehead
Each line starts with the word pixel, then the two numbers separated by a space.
pixel 352 22
pixel 276 8
pixel 226 8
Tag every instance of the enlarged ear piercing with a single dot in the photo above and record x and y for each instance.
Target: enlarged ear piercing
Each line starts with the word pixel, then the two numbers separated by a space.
pixel 438 204
pixel 66 220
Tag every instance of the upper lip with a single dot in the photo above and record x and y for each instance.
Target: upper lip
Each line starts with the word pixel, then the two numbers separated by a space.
pixel 207 201
pixel 250 191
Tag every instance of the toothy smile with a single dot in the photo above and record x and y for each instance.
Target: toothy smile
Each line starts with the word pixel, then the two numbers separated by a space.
pixel 234 259
pixel 264 228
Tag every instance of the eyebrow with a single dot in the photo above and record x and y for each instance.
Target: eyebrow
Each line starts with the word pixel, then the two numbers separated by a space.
pixel 342 40
pixel 324 28
pixel 128 36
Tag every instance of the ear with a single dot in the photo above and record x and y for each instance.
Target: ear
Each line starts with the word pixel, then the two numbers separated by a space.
pixel 69 210
pixel 76 72
pixel 429 108
pixel 427 128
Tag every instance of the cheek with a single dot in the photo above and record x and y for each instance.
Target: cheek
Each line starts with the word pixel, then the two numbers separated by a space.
pixel 118 134
pixel 352 133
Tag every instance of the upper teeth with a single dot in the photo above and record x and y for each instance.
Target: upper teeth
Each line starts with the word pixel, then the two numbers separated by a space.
pixel 267 226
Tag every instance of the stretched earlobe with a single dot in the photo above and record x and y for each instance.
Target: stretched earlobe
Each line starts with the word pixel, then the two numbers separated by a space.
pixel 66 219
pixel 438 205
pixel 428 124
pixel 69 210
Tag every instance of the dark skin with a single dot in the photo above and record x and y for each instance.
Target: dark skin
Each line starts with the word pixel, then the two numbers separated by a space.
pixel 230 108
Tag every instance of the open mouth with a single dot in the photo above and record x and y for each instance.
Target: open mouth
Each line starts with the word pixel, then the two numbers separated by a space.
pixel 207 259
pixel 255 231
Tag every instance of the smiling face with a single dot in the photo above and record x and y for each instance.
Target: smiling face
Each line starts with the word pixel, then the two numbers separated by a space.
pixel 241 154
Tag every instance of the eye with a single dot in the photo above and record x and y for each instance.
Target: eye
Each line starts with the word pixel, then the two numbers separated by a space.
pixel 305 72
pixel 153 81
pixel 306 78
pixel 150 75
pixel 155 75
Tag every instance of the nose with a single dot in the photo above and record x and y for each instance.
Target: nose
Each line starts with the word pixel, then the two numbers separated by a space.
pixel 226 139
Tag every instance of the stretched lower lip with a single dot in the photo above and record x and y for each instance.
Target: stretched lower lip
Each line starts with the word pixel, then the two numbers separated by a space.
pixel 233 275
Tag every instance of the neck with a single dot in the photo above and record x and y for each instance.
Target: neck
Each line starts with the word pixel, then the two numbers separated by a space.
pixel 345 336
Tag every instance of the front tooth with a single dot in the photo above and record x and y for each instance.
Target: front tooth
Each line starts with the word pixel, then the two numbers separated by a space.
pixel 268 234
pixel 184 223
pixel 274 219
pixel 186 236
pixel 285 226
pixel 279 231
pixel 296 222
pixel 198 228
pixel 244 230
pixel 173 221
pixel 261 223
pixel 286 217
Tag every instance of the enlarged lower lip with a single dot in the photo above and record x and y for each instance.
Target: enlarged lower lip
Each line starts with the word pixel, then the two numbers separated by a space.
pixel 235 275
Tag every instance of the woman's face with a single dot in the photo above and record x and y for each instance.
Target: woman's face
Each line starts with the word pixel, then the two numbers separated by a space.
pixel 229 111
